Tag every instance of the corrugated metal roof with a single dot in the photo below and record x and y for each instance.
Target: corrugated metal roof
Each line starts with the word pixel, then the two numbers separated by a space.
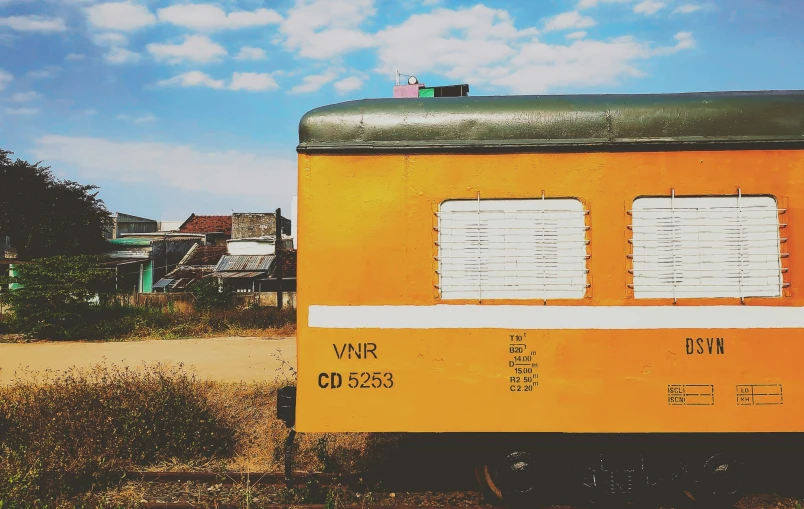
pixel 235 274
pixel 175 284
pixel 245 263
pixel 162 283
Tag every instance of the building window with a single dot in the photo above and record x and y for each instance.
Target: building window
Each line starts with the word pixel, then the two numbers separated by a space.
pixel 706 247
pixel 512 249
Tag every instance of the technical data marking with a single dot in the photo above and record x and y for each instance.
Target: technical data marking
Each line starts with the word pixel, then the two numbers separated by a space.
pixel 690 395
pixel 522 368
pixel 759 394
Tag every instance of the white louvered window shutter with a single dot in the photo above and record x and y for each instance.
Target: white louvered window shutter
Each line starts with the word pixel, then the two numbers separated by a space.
pixel 706 247
pixel 512 249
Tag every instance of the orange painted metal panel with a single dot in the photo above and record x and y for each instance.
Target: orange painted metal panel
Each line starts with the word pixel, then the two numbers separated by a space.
pixel 367 238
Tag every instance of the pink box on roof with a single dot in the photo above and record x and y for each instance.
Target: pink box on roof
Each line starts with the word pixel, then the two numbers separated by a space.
pixel 407 91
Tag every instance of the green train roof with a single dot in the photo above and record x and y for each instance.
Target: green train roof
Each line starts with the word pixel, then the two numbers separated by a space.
pixel 552 122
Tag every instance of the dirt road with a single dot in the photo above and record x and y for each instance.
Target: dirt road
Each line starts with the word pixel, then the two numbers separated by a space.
pixel 224 359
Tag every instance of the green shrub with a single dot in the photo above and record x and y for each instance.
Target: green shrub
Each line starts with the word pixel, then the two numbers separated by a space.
pixel 79 431
pixel 111 321
pixel 56 294
pixel 210 295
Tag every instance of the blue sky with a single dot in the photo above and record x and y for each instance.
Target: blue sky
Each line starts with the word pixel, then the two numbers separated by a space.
pixel 179 107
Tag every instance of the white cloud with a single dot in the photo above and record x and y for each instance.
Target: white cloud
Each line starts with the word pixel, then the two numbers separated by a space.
pixel 586 4
pixel 110 39
pixel 684 40
pixel 49 72
pixel 468 40
pixel 314 82
pixel 137 120
pixel 249 53
pixel 250 81
pixel 253 81
pixel 568 20
pixel 483 47
pixel 195 48
pixel 22 97
pixel 323 29
pixel 192 79
pixel 576 35
pixel 211 17
pixel 687 9
pixel 180 167
pixel 349 84
pixel 120 16
pixel 121 56
pixel 22 111
pixel 34 23
pixel 73 57
pixel 649 7
pixel 5 79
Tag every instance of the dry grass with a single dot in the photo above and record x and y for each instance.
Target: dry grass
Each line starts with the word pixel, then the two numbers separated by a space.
pixel 154 418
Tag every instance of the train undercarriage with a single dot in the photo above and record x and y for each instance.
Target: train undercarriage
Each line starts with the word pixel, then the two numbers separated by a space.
pixel 635 470
pixel 707 470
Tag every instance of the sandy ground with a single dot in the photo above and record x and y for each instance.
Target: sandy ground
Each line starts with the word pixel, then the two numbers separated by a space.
pixel 223 359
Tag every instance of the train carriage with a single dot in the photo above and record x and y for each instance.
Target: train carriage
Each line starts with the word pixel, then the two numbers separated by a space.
pixel 565 266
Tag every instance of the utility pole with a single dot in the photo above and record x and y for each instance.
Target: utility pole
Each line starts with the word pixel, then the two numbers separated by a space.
pixel 278 259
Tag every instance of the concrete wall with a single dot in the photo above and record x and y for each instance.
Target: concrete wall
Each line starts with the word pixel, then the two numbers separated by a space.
pixel 185 302
pixel 265 299
pixel 245 225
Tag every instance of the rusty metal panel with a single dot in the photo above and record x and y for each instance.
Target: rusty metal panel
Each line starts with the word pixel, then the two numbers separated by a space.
pixel 245 263
pixel 241 274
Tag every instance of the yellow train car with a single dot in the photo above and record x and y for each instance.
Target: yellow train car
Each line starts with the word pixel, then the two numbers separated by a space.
pixel 563 266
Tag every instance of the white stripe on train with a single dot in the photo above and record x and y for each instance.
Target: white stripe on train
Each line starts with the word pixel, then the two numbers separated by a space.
pixel 555 317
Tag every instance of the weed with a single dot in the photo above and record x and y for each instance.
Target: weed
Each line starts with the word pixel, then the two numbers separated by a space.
pixel 309 493
pixel 114 321
pixel 80 431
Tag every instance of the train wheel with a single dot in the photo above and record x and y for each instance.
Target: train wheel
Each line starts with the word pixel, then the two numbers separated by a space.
pixel 511 480
pixel 719 483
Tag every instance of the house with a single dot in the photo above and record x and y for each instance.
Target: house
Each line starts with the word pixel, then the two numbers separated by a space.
pixel 257 224
pixel 198 262
pixel 216 229
pixel 257 245
pixel 257 273
pixel 244 272
pixel 127 224
pixel 141 260
pixel 169 226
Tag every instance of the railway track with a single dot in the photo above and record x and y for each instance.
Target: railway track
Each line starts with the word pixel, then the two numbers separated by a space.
pixel 182 505
pixel 261 480
pixel 237 477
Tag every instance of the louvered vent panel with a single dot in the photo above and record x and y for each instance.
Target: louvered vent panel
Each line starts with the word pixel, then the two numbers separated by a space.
pixel 694 247
pixel 512 249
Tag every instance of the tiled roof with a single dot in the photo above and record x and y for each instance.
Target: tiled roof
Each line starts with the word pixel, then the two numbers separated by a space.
pixel 208 224
pixel 205 255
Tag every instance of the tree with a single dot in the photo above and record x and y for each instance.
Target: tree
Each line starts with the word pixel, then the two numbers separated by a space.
pixel 57 294
pixel 44 216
